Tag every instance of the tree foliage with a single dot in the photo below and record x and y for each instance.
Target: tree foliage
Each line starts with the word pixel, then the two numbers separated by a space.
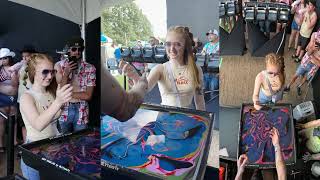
pixel 125 23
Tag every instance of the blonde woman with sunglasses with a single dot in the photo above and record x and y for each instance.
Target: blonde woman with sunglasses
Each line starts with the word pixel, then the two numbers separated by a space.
pixel 40 105
pixel 269 83
pixel 179 79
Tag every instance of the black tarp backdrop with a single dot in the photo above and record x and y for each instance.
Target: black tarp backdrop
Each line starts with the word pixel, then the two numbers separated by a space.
pixel 20 25
pixel 93 56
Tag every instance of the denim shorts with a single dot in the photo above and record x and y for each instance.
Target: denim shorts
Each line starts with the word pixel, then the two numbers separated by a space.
pixel 28 172
pixel 295 26
pixel 301 70
pixel 6 100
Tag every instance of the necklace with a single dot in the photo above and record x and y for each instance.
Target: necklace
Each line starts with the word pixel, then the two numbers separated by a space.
pixel 183 69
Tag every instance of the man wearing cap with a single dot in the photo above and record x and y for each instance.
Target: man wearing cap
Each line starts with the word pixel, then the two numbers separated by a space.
pixel 211 47
pixel 82 76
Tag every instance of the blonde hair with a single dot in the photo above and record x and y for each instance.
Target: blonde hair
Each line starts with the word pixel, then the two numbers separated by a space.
pixel 30 71
pixel 277 60
pixel 188 57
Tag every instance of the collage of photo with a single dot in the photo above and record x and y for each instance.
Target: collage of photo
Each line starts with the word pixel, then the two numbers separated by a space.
pixel 160 89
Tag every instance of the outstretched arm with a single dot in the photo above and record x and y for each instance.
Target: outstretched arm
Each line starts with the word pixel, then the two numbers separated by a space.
pixel 255 96
pixel 280 165
pixel 118 103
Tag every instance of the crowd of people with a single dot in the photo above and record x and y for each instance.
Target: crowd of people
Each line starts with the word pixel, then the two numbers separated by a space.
pixel 52 98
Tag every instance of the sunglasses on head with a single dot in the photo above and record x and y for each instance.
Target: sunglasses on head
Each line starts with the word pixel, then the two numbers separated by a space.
pixel 45 72
pixel 73 49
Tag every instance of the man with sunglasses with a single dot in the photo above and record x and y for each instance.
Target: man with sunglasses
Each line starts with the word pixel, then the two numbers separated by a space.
pixel 82 76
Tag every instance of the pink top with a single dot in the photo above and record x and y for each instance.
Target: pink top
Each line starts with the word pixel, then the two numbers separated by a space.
pixel 299 14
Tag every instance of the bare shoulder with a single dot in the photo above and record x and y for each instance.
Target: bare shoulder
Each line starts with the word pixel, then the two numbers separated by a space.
pixel 260 77
pixel 26 99
pixel 158 68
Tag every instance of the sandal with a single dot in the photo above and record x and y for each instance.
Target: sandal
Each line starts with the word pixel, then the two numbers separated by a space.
pixel 294 56
pixel 299 91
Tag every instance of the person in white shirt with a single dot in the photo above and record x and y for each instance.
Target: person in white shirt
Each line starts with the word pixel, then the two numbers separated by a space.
pixel 180 80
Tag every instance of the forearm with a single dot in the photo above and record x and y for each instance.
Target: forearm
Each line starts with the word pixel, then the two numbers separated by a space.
pixel 238 176
pixel 199 102
pixel 118 103
pixel 128 106
pixel 64 80
pixel 315 157
pixel 255 98
pixel 45 117
pixel 311 124
pixel 280 165
pixel 81 96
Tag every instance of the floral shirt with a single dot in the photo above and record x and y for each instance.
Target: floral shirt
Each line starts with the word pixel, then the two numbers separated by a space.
pixel 307 60
pixel 86 78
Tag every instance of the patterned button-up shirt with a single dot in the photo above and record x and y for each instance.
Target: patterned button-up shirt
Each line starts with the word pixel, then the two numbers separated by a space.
pixel 86 78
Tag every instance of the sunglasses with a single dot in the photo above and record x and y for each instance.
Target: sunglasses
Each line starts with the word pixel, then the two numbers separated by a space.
pixel 175 44
pixel 45 72
pixel 73 49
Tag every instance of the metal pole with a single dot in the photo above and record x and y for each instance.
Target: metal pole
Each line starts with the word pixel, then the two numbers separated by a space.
pixel 83 25
pixel 10 143
pixel 10 146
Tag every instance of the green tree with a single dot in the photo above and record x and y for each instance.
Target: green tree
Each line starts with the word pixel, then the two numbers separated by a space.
pixel 125 24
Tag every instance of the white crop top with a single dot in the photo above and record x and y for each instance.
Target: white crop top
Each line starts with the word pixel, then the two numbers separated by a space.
pixel 183 82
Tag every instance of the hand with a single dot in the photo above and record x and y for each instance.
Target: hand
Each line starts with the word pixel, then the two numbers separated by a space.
pixel 274 134
pixel 129 71
pixel 70 66
pixel 307 157
pixel 241 163
pixel 300 126
pixel 64 94
pixel 143 81
pixel 257 105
